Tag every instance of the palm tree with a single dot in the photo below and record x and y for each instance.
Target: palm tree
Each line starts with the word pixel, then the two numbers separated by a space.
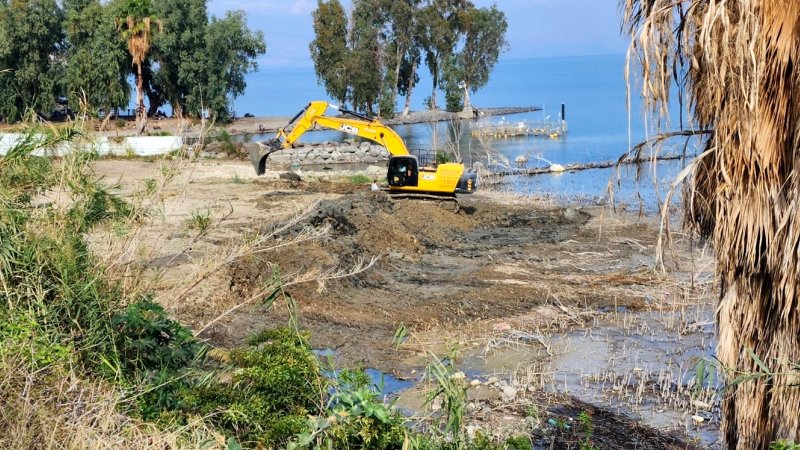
pixel 136 27
pixel 736 61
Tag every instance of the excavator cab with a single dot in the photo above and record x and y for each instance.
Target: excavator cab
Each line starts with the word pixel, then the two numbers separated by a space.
pixel 403 171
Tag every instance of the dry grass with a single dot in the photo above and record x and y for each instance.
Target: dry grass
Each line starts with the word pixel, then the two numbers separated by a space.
pixel 57 408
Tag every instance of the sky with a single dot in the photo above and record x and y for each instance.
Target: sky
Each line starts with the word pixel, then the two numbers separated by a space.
pixel 536 28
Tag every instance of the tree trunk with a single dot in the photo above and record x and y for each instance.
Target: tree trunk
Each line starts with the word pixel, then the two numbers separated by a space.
pixel 177 110
pixel 435 74
pixel 755 193
pixel 141 116
pixel 433 105
pixel 409 88
pixel 397 61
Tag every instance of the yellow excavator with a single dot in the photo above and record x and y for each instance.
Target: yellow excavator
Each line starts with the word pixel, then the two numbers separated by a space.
pixel 405 177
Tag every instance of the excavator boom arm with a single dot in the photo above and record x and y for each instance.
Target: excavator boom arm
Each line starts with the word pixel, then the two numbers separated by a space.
pixel 314 114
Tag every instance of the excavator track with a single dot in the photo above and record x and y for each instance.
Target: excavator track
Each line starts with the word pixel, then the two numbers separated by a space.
pixel 441 199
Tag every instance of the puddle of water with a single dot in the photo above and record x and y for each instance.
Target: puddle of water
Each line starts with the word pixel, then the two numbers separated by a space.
pixel 641 366
pixel 386 384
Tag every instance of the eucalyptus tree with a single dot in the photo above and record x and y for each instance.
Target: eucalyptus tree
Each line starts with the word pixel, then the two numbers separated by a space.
pixel 230 53
pixel 329 50
pixel 366 64
pixel 31 56
pixel 439 30
pixel 470 67
pixel 96 59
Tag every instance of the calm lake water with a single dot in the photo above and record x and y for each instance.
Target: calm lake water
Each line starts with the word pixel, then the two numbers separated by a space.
pixel 593 89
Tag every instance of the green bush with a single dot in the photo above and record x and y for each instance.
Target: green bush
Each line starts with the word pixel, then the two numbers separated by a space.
pixel 360 179
pixel 274 385
pixel 147 340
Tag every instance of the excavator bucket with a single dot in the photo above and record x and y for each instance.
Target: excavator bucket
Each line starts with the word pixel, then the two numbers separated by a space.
pixel 260 152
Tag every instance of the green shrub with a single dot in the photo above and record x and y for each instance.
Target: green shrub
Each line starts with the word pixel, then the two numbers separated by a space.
pixel 519 443
pixel 275 384
pixel 360 179
pixel 443 157
pixel 147 340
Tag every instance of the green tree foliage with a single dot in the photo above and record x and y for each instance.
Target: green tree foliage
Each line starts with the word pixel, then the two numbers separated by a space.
pixel 376 54
pixel 230 51
pixel 202 63
pixel 440 25
pixel 329 49
pixel 400 31
pixel 365 61
pixel 31 59
pixel 178 52
pixel 86 49
pixel 97 62
pixel 484 30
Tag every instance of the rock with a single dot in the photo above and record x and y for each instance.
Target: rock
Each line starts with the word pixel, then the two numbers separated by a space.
pixel 701 405
pixel 509 394
pixel 698 419
pixel 458 376
pixel 475 382
pixel 492 380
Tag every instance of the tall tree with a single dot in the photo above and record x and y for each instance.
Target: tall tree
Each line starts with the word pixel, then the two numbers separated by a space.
pixel 469 68
pixel 329 49
pixel 179 51
pixel 366 58
pixel 408 76
pixel 31 56
pixel 230 50
pixel 137 25
pixel 739 59
pixel 440 23
pixel 97 62
pixel 401 26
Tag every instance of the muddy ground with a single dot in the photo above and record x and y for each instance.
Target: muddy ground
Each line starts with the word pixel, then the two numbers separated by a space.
pixel 502 267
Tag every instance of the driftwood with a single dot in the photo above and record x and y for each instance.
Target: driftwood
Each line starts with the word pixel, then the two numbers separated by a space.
pixel 588 166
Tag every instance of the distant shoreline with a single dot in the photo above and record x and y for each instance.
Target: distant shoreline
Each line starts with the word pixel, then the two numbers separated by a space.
pixel 264 125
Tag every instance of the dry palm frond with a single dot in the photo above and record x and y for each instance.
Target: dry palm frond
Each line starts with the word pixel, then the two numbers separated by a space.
pixel 735 61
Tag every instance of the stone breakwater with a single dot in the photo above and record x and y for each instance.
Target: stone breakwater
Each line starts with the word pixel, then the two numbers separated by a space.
pixel 347 152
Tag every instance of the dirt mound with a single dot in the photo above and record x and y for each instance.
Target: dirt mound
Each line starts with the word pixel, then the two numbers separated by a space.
pixel 363 226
